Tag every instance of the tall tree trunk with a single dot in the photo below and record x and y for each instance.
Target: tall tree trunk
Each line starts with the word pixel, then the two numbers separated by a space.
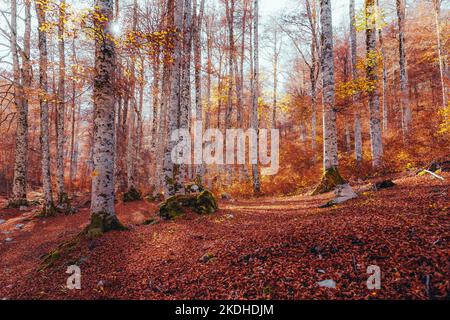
pixel 197 23
pixel 185 97
pixel 103 216
pixel 384 106
pixel 156 98
pixel 61 107
pixel 356 106
pixel 48 208
pixel 72 164
pixel 230 20
pixel 131 143
pixel 404 85
pixel 275 78
pixel 171 170
pixel 19 196
pixel 372 78
pixel 443 69
pixel 330 150
pixel 331 176
pixel 230 6
pixel 314 69
pixel 254 119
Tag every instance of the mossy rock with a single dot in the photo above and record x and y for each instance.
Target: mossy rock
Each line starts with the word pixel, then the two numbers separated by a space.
pixel 154 198
pixel 131 195
pixel 330 180
pixel 201 203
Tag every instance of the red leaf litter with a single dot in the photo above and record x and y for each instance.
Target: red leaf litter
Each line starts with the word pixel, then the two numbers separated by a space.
pixel 277 248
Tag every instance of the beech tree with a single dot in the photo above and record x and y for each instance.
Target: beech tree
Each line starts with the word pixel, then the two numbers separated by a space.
pixel 331 176
pixel 19 195
pixel 356 105
pixel 254 118
pixel 372 88
pixel 404 84
pixel 103 215
pixel 60 115
pixel 44 96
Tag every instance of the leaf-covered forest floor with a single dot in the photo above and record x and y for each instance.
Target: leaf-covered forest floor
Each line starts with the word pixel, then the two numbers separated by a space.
pixel 277 248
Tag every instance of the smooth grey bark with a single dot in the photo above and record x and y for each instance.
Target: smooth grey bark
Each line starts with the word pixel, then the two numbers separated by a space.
pixel 384 106
pixel 103 216
pixel 131 142
pixel 48 206
pixel 356 106
pixel 156 98
pixel 254 119
pixel 443 68
pixel 275 64
pixel 197 29
pixel 19 195
pixel 372 78
pixel 314 68
pixel 60 113
pixel 230 8
pixel 404 83
pixel 171 170
pixel 185 87
pixel 330 150
pixel 74 127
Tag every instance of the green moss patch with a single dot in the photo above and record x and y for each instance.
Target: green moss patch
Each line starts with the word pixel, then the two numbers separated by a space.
pixel 131 195
pixel 201 203
pixel 330 180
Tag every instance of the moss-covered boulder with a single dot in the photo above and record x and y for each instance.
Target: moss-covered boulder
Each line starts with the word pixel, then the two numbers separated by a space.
pixel 330 180
pixel 154 197
pixel 201 203
pixel 131 195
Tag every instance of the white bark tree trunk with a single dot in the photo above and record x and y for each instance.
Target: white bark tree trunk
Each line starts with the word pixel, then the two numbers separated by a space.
pixel 60 138
pixel 198 20
pixel 170 170
pixel 330 150
pixel 48 208
pixel 443 69
pixel 19 196
pixel 372 78
pixel 103 216
pixel 384 106
pixel 357 113
pixel 404 85
pixel 254 120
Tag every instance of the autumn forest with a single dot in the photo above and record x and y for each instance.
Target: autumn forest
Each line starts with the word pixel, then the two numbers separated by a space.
pixel 224 149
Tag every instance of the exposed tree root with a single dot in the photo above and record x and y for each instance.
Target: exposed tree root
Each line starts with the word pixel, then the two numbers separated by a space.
pixel 17 203
pixel 330 180
pixel 100 223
